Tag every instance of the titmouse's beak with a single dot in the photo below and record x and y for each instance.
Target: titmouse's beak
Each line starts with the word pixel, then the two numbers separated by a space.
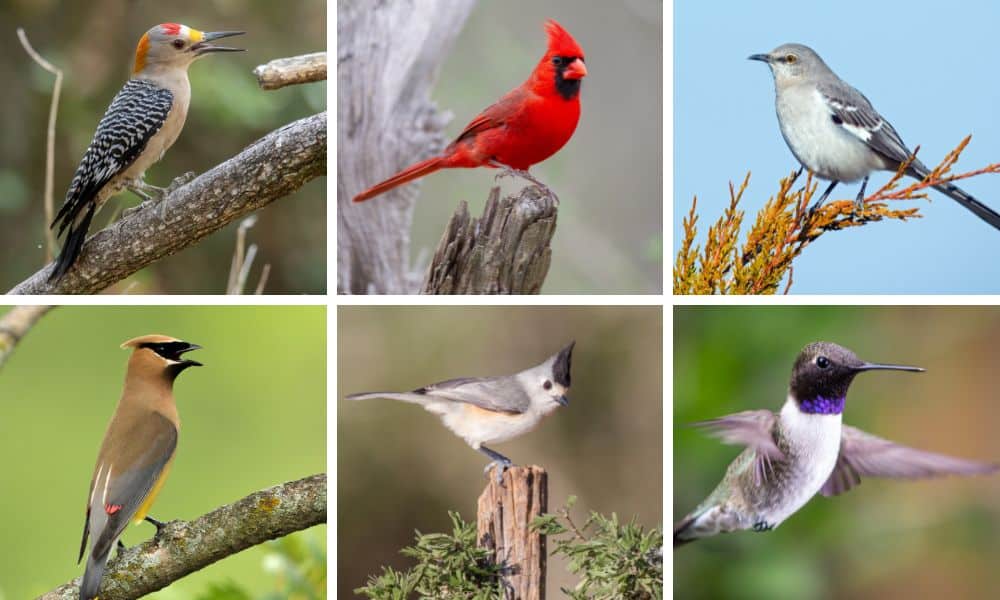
pixel 563 400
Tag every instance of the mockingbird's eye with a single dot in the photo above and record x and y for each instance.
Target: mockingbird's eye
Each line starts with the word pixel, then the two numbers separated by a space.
pixel 791 59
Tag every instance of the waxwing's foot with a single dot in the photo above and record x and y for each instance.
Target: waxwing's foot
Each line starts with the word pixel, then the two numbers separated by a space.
pixel 158 524
pixel 121 547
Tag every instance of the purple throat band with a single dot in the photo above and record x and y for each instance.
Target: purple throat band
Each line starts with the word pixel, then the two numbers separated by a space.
pixel 822 406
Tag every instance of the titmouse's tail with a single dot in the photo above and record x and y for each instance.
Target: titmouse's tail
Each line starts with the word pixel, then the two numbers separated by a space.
pixel 410 397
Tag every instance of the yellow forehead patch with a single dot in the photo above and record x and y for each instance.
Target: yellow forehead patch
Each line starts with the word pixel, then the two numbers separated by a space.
pixel 195 35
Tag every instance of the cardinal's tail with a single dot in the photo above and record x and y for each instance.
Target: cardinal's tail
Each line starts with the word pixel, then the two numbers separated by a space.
pixel 410 173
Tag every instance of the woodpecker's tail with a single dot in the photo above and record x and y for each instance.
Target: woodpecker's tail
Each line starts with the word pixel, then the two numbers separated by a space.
pixel 73 245
pixel 410 173
pixel 91 582
pixel 919 171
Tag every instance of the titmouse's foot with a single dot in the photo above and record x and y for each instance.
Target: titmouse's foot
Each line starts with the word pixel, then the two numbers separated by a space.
pixel 158 524
pixel 500 468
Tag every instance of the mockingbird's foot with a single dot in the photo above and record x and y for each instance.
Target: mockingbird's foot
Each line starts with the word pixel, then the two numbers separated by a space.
pixel 859 201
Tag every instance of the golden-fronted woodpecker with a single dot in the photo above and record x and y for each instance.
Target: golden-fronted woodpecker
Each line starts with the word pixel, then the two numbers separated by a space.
pixel 143 121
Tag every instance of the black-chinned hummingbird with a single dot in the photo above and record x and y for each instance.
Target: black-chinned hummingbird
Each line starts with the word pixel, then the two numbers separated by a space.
pixel 805 449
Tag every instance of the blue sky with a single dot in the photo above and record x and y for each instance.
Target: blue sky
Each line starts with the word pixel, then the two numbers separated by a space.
pixel 929 68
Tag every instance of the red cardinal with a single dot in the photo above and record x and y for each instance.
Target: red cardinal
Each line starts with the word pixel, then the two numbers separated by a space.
pixel 531 123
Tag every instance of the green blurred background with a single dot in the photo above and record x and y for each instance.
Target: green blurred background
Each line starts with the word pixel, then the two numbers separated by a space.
pixel 400 469
pixel 885 539
pixel 609 176
pixel 254 416
pixel 94 44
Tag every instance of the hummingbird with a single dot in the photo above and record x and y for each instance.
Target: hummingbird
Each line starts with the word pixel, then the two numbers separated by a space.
pixel 805 449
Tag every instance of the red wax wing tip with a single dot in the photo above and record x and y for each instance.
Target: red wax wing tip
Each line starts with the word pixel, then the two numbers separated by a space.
pixel 561 41
pixel 171 28
pixel 112 508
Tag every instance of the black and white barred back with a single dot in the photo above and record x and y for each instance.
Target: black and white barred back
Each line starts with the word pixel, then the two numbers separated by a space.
pixel 136 113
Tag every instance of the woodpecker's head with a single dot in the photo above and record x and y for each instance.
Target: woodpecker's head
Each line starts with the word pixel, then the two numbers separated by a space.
pixel 171 45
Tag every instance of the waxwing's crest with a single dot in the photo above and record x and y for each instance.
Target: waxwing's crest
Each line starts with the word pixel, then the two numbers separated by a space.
pixel 148 339
pixel 560 41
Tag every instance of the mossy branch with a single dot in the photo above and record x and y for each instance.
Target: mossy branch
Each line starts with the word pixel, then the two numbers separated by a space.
pixel 786 226
pixel 184 547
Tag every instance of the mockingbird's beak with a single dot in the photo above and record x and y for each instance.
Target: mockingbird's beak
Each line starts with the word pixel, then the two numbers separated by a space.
pixel 761 57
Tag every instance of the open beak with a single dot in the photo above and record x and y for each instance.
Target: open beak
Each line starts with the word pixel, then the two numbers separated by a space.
pixel 575 70
pixel 761 57
pixel 188 362
pixel 204 47
pixel 881 367
pixel 563 400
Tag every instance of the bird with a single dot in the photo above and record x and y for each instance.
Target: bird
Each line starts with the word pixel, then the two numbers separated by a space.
pixel 805 449
pixel 526 126
pixel 488 410
pixel 137 451
pixel 836 133
pixel 143 121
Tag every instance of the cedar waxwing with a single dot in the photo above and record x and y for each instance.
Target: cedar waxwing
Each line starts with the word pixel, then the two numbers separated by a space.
pixel 137 450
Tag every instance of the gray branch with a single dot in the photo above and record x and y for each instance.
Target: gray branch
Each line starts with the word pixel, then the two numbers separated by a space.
pixel 291 71
pixel 506 251
pixel 388 58
pixel 15 325
pixel 187 546
pixel 271 168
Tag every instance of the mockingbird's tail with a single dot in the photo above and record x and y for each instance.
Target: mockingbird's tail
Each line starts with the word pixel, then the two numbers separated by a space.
pixel 956 193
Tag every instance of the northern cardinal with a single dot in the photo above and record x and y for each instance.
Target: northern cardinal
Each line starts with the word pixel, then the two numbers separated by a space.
pixel 529 124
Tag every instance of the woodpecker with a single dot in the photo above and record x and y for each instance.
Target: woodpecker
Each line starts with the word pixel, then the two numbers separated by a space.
pixel 143 121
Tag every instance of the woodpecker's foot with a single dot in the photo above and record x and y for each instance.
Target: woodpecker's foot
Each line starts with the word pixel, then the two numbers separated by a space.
pixel 506 171
pixel 148 203
pixel 180 182
pixel 158 524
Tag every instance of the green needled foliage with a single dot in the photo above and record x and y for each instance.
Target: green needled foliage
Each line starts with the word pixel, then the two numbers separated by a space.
pixel 448 567
pixel 613 560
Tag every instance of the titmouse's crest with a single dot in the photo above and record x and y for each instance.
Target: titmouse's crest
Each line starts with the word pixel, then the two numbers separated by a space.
pixel 561 366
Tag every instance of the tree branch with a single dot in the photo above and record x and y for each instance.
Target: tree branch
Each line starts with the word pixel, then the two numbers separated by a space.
pixel 15 325
pixel 187 546
pixel 291 71
pixel 271 168
pixel 506 251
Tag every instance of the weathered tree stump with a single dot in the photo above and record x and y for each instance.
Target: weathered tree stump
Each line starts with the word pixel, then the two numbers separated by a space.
pixel 503 522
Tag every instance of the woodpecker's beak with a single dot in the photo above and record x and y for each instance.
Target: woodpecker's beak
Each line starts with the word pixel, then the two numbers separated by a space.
pixel 761 57
pixel 203 47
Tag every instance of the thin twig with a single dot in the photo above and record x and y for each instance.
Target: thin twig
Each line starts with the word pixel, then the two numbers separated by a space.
pixel 15 325
pixel 50 142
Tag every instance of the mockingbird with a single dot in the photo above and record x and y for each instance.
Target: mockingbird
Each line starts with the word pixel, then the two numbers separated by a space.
pixel 834 131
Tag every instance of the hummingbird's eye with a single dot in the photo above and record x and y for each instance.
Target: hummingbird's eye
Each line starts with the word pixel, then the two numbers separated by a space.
pixel 547 385
pixel 822 362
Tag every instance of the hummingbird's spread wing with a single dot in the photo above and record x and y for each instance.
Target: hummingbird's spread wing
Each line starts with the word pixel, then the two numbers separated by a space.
pixel 863 454
pixel 753 429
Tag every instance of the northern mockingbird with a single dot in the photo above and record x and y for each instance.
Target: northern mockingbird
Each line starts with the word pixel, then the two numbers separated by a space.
pixel 834 131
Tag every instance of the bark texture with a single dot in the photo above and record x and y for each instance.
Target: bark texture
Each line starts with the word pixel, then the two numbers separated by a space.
pixel 504 515
pixel 271 168
pixel 187 546
pixel 388 58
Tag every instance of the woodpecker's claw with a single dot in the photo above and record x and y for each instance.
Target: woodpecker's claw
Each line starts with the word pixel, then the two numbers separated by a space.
pixel 180 182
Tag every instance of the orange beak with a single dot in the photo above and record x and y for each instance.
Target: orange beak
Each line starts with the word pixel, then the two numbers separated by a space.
pixel 575 70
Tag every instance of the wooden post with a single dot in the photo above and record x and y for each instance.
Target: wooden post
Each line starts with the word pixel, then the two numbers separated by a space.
pixel 504 515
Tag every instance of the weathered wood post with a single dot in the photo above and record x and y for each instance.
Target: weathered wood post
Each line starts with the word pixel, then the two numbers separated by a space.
pixel 503 523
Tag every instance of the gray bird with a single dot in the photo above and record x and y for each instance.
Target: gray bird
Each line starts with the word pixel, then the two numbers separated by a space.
pixel 805 449
pixel 490 410
pixel 836 133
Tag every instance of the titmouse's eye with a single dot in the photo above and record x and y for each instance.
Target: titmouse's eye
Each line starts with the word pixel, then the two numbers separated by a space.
pixel 547 385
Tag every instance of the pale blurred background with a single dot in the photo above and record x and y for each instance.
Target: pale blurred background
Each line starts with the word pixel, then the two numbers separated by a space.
pixel 886 539
pixel 399 469
pixel 254 416
pixel 609 239
pixel 94 44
